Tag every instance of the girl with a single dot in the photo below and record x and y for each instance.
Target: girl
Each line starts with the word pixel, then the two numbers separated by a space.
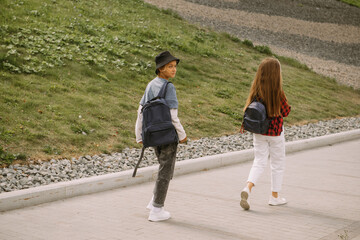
pixel 267 87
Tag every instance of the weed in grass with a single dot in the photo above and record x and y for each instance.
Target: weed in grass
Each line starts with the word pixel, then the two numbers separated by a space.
pixel 264 49
pixel 51 150
pixel 34 137
pixel 172 13
pixel 140 66
pixel 232 38
pixel 228 111
pixel 20 156
pixel 6 135
pixel 224 93
pixel 80 129
pixel 106 151
pixel 103 77
pixel 7 158
pixel 257 57
pixel 248 43
pixel 245 84
pixel 344 236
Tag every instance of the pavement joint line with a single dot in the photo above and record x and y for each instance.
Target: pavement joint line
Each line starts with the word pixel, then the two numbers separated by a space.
pixel 58 191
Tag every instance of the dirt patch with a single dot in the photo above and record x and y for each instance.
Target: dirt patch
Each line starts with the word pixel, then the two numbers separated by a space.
pixel 325 35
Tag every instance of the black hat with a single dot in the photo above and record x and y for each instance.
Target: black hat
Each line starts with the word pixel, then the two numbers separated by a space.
pixel 164 58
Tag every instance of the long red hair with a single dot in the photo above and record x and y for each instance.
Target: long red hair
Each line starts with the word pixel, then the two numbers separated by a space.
pixel 267 86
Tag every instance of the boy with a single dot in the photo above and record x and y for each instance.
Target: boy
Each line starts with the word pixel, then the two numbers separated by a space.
pixel 166 154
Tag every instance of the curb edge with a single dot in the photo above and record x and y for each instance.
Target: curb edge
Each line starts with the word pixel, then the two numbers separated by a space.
pixel 58 191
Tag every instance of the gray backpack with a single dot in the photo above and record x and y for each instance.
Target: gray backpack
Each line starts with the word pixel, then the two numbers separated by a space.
pixel 255 118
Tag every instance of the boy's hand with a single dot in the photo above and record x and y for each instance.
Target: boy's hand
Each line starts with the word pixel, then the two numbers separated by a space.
pixel 184 140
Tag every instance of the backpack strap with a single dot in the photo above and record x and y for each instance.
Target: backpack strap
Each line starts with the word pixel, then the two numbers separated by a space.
pixel 162 92
pixel 138 163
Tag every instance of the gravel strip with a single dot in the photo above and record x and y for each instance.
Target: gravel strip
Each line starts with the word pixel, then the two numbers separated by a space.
pixel 35 174
pixel 329 50
pixel 328 11
pixel 314 32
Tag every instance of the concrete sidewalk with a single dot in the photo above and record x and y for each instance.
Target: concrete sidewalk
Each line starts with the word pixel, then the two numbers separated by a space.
pixel 322 186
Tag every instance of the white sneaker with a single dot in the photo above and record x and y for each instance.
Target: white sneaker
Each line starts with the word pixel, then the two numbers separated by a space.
pixel 277 201
pixel 150 204
pixel 244 196
pixel 158 214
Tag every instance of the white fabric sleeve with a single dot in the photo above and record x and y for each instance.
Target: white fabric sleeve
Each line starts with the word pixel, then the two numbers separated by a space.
pixel 176 122
pixel 138 125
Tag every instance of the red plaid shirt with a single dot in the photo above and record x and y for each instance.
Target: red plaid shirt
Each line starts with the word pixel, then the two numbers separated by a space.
pixel 276 125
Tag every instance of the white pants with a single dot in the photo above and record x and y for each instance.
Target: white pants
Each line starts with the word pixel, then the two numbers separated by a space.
pixel 263 147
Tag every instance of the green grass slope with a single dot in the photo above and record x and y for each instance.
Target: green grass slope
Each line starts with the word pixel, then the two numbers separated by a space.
pixel 72 73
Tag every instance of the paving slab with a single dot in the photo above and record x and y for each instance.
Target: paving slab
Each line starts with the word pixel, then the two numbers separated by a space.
pixel 322 186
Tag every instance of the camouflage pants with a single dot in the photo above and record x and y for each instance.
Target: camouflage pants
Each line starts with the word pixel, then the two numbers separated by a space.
pixel 166 155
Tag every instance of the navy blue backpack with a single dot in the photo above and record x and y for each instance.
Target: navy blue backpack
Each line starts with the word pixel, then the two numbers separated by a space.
pixel 255 118
pixel 157 127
